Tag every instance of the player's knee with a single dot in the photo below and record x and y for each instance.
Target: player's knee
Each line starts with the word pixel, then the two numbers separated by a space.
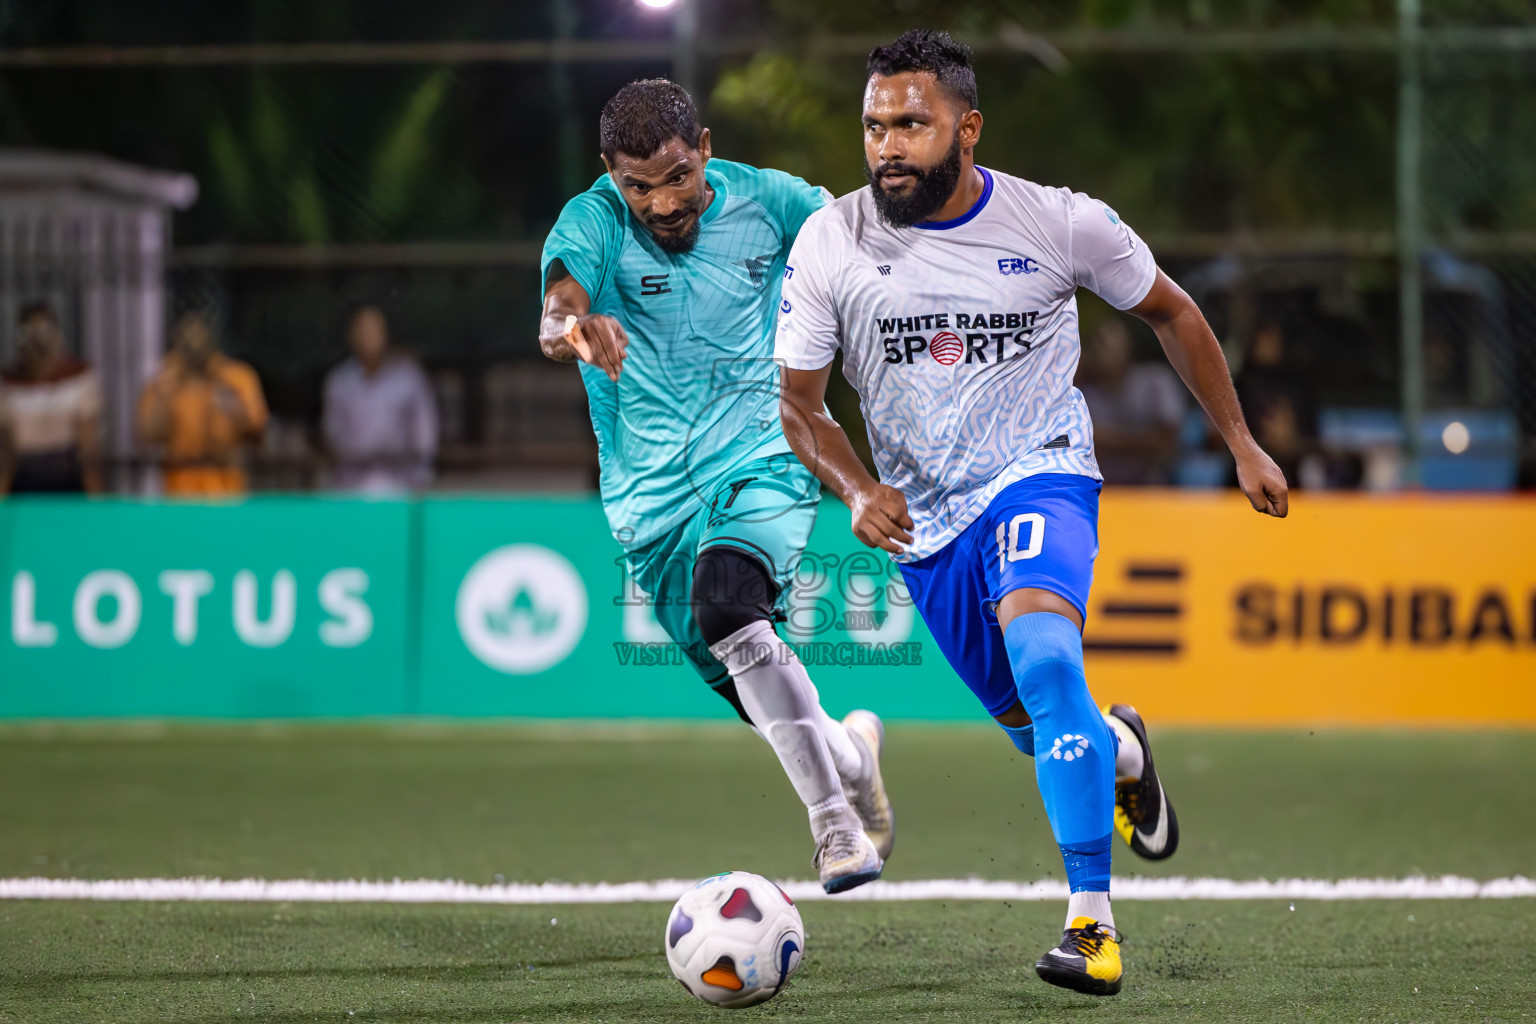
pixel 798 735
pixel 731 590
pixel 1046 654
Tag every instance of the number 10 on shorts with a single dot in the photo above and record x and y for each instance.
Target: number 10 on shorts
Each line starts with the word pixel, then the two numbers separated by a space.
pixel 1008 549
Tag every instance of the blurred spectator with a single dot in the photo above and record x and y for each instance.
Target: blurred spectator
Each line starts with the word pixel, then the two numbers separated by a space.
pixel 1445 372
pixel 50 412
pixel 204 409
pixel 380 419
pixel 1137 408
pixel 1277 401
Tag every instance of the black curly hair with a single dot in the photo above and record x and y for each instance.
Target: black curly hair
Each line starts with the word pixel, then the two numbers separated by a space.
pixel 925 49
pixel 644 116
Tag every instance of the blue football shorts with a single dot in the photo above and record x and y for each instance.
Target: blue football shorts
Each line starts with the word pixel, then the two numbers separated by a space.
pixel 764 508
pixel 1041 532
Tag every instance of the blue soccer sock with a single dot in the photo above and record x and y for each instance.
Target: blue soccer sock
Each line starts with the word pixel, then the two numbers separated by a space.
pixel 1088 864
pixel 1023 736
pixel 1074 750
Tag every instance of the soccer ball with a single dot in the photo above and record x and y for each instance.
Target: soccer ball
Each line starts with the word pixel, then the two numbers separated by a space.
pixel 734 939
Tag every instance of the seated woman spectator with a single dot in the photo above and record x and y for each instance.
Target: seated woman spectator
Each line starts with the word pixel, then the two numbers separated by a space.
pixel 203 409
pixel 50 413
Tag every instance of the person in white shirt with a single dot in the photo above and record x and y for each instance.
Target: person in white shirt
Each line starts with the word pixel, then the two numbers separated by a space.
pixel 949 288
pixel 380 418
pixel 50 412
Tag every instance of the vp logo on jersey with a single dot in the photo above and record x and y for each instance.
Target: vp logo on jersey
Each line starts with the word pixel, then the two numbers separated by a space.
pixel 1017 265
pixel 521 609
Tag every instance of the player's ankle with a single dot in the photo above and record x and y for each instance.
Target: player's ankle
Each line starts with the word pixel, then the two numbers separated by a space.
pixel 1130 761
pixel 834 814
pixel 1091 904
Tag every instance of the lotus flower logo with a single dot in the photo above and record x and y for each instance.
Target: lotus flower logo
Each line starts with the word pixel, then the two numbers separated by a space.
pixel 522 617
pixel 522 609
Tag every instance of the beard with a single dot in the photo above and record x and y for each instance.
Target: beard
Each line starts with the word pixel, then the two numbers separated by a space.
pixel 931 189
pixel 678 244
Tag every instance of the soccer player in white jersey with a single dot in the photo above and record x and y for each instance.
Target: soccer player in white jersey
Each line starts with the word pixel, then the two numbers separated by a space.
pixel 950 290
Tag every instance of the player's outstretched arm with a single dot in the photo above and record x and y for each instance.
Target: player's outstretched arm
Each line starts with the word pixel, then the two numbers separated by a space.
pixel 880 516
pixel 1196 355
pixel 570 330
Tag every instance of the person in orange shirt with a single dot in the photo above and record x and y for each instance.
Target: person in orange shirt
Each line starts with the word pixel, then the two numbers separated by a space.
pixel 204 409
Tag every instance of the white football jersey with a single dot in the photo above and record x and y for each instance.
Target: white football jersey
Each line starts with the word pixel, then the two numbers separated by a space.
pixel 961 337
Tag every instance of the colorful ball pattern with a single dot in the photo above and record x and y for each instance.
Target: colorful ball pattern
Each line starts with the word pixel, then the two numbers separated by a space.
pixel 734 939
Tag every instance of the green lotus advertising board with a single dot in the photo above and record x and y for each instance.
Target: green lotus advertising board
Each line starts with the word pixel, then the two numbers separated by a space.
pixel 278 607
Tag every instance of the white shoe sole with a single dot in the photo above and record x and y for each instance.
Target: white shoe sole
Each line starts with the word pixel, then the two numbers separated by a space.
pixel 856 871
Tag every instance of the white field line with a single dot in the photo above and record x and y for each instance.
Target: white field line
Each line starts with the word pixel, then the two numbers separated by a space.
pixel 1446 887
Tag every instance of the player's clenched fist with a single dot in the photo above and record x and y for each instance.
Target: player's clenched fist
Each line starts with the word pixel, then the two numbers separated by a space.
pixel 1263 482
pixel 599 340
pixel 880 518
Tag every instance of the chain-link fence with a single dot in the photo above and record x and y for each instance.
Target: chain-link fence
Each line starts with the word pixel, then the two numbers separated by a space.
pixel 1265 155
pixel 1479 217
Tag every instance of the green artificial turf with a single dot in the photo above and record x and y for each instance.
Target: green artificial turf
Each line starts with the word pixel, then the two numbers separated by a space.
pixel 221 963
pixel 534 804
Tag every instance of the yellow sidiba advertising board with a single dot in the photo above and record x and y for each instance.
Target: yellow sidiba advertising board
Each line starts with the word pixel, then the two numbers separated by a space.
pixel 1417 610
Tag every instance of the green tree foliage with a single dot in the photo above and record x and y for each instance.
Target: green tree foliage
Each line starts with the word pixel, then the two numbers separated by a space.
pixel 1051 15
pixel 1210 144
pixel 1480 143
pixel 295 165
pixel 793 114
pixel 1289 140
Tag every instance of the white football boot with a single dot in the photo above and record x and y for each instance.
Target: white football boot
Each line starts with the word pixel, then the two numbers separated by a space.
pixel 846 858
pixel 868 796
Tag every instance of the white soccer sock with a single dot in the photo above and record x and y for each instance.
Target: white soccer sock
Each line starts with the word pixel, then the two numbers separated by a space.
pixel 783 703
pixel 1089 904
pixel 850 766
pixel 1128 760
pixel 845 754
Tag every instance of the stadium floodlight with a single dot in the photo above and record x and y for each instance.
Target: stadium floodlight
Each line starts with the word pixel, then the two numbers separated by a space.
pixel 657 5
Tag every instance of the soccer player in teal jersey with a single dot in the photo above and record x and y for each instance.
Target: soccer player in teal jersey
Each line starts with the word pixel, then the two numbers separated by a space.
pixel 662 279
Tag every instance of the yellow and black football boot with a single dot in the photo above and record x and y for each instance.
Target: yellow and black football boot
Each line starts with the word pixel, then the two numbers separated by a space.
pixel 1087 960
pixel 1143 816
